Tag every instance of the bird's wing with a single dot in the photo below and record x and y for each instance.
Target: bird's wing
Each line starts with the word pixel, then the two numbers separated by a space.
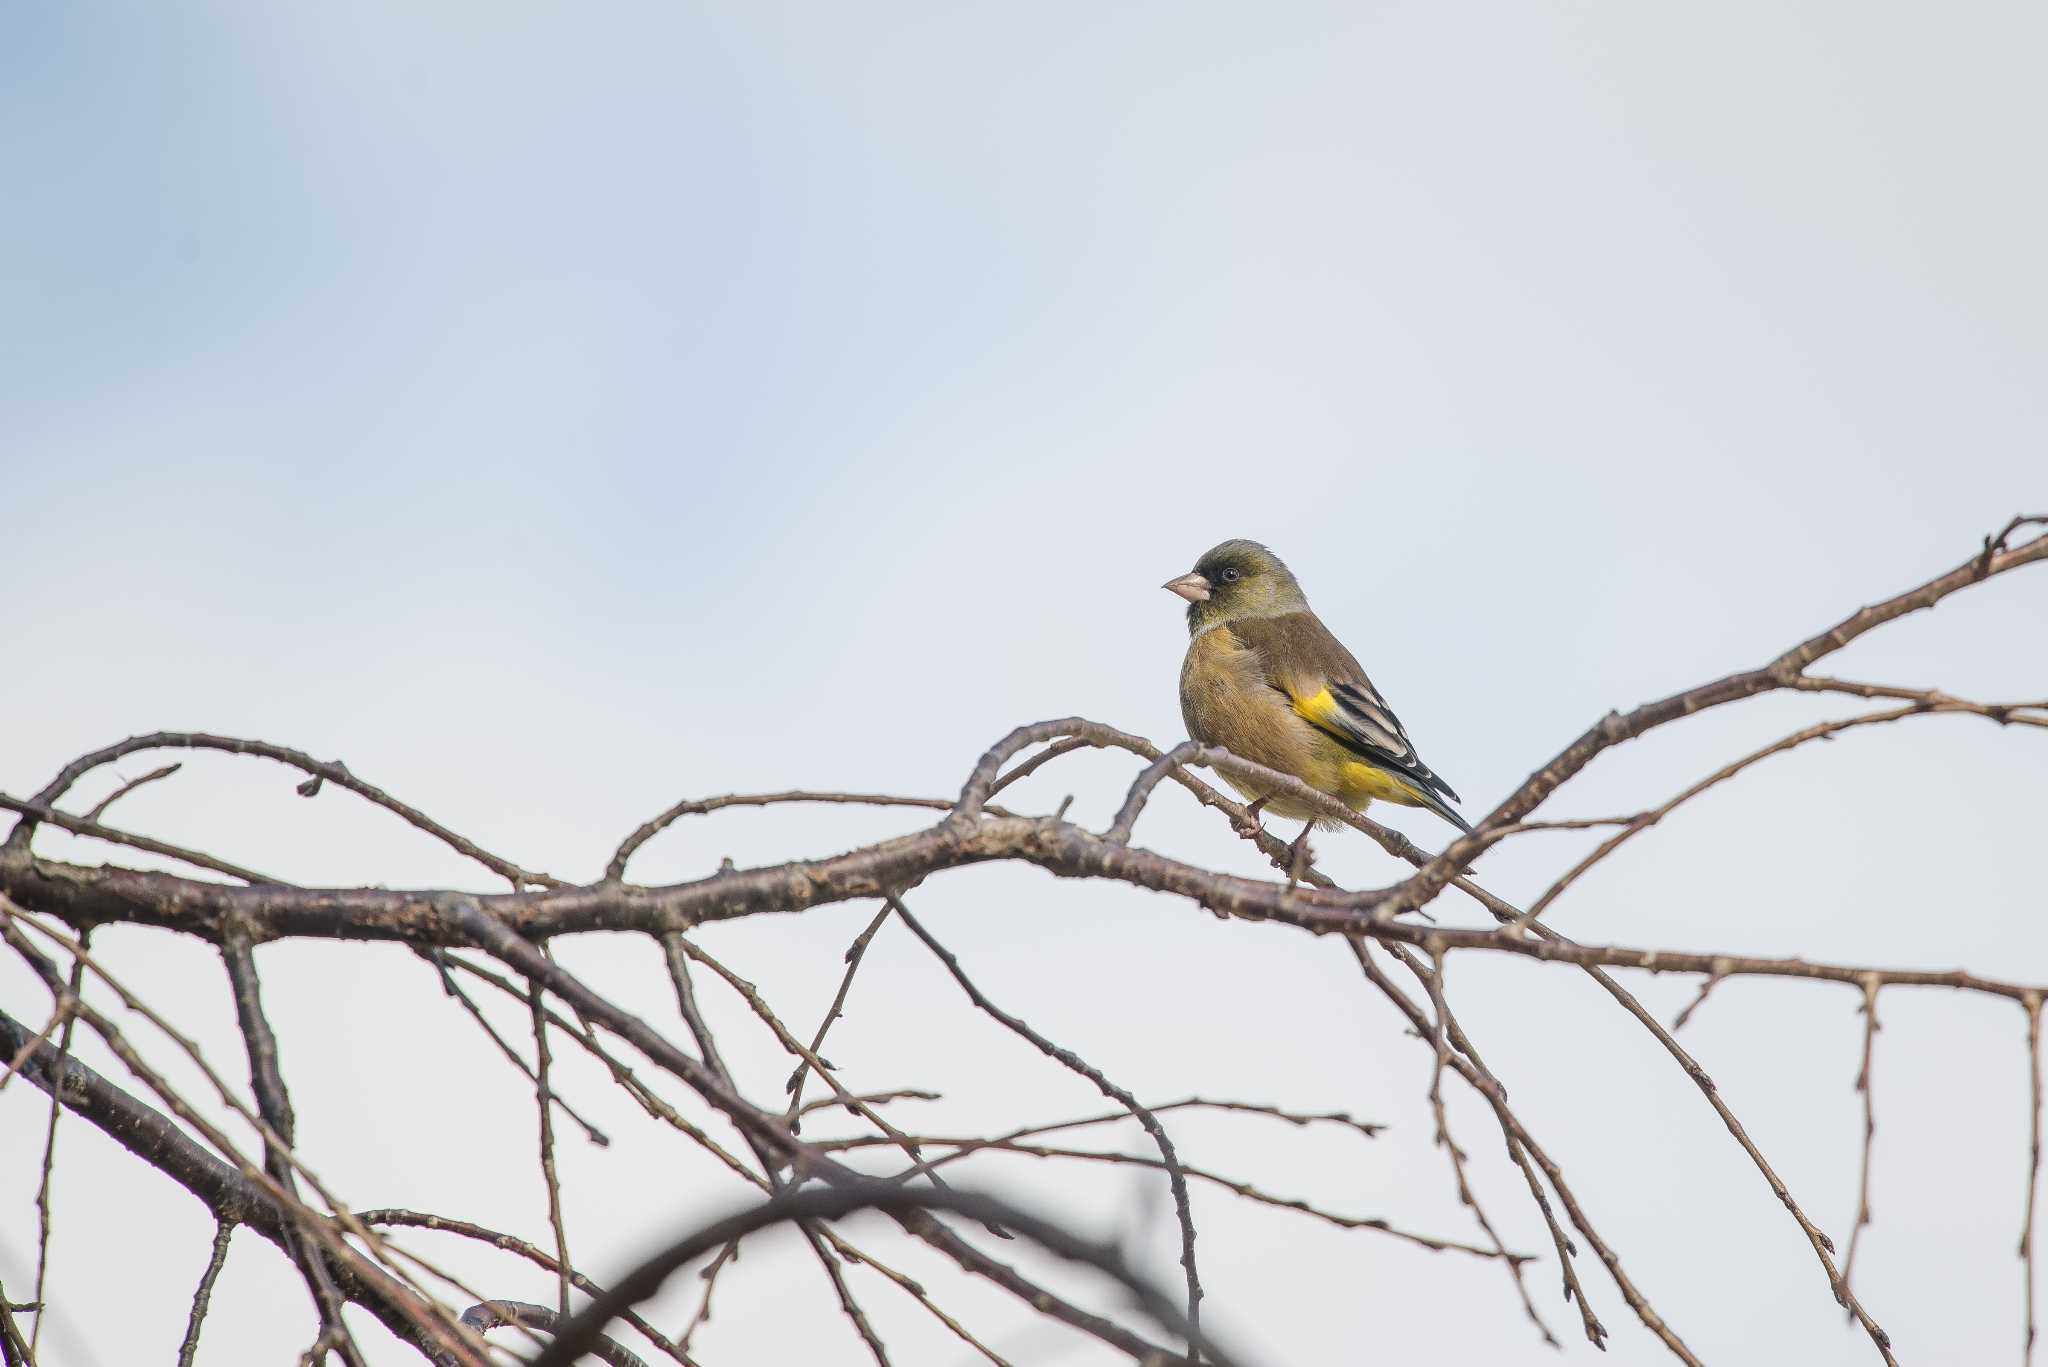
pixel 1331 692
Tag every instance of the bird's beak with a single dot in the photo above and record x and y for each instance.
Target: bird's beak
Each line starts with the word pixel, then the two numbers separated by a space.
pixel 1190 586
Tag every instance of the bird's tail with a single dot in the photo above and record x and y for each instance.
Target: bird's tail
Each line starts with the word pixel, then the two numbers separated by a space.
pixel 1423 797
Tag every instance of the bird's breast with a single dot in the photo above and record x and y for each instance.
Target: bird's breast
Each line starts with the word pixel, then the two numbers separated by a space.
pixel 1226 701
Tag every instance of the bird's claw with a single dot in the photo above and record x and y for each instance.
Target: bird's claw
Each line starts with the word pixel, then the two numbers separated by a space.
pixel 1247 824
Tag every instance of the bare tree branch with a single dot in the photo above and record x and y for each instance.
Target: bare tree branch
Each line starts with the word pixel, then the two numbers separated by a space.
pixel 345 1259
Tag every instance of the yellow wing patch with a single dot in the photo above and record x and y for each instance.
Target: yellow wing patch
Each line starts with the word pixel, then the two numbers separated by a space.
pixel 1357 781
pixel 1321 709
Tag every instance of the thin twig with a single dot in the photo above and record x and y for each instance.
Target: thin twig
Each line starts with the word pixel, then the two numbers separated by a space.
pixel 1303 1119
pixel 511 1243
pixel 759 1006
pixel 273 1103
pixel 487 1315
pixel 202 1298
pixel 2033 1005
pixel 542 1095
pixel 1439 1038
pixel 964 1148
pixel 1067 1058
pixel 69 997
pixel 99 808
pixel 441 959
pixel 38 811
pixel 829 1103
pixel 848 1306
pixel 1870 1028
pixel 1518 1136
pixel 320 771
pixel 855 952
pixel 66 1008
pixel 709 1276
pixel 1930 705
pixel 615 869
pixel 911 1287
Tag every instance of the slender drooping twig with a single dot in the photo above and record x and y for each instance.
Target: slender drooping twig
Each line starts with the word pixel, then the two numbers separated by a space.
pixel 855 952
pixel 202 1299
pixel 67 999
pixel 911 1288
pixel 1439 1041
pixel 1067 1058
pixel 2033 1005
pixel 1515 1133
pixel 441 959
pixel 1863 1090
pixel 543 1094
pixel 1430 975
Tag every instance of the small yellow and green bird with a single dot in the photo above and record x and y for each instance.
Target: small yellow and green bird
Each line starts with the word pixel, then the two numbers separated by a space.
pixel 1266 680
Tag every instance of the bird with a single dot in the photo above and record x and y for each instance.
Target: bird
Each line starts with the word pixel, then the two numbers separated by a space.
pixel 1264 679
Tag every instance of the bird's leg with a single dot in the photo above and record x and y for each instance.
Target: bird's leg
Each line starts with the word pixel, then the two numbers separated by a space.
pixel 1300 856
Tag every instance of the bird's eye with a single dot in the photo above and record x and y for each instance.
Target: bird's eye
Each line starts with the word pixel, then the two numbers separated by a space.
pixel 1229 575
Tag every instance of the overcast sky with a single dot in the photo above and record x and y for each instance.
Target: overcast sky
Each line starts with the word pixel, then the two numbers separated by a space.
pixel 556 411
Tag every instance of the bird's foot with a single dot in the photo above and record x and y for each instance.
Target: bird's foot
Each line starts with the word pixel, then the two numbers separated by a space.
pixel 1248 825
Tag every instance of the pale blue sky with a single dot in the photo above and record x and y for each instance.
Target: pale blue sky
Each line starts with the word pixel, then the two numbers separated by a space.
pixel 556 411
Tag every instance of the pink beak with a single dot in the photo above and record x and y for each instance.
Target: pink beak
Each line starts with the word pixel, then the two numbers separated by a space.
pixel 1190 586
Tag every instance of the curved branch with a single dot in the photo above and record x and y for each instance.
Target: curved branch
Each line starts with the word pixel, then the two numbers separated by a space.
pixel 2004 714
pixel 836 1203
pixel 320 770
pixel 1782 672
pixel 615 869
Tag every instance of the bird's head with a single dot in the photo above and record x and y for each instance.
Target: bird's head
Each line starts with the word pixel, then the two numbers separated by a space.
pixel 1235 580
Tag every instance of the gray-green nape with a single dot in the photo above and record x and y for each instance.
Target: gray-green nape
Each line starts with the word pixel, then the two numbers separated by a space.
pixel 1245 580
